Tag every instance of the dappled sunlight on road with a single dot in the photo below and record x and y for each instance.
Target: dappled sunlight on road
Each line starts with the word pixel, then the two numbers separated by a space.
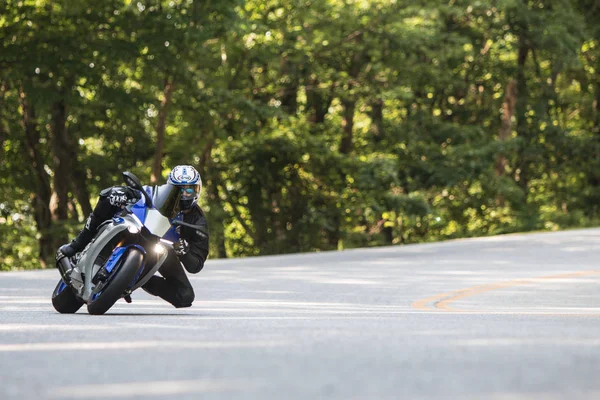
pixel 152 388
pixel 127 345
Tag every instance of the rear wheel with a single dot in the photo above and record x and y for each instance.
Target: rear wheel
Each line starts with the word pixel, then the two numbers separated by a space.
pixel 64 300
pixel 106 294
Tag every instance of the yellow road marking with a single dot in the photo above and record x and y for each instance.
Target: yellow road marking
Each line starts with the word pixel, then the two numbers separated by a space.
pixel 443 304
pixel 442 301
pixel 423 304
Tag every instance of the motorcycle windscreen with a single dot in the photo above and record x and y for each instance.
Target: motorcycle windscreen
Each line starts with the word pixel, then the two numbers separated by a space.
pixel 166 200
pixel 157 223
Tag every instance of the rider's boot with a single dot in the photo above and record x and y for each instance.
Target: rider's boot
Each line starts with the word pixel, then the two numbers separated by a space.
pixel 83 238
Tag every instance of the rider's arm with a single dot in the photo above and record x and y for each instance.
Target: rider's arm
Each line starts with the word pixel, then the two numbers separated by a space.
pixel 193 260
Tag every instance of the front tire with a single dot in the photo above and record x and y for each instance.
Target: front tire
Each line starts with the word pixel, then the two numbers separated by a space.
pixel 64 299
pixel 117 283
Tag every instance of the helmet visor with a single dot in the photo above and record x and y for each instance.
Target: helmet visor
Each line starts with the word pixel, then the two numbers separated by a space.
pixel 189 194
pixel 189 191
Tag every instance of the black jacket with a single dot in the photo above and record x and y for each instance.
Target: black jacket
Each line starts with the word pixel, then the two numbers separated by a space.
pixel 194 259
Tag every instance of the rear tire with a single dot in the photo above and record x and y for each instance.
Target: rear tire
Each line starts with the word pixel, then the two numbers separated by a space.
pixel 64 299
pixel 118 282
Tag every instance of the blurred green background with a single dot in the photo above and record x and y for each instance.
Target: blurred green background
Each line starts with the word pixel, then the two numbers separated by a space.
pixel 316 124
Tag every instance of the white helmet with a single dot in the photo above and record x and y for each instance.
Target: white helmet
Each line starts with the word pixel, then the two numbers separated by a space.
pixel 189 181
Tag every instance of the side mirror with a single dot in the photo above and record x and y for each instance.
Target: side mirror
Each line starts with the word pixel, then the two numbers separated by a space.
pixel 133 182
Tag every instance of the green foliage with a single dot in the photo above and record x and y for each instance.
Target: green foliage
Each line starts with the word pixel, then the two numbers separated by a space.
pixel 18 230
pixel 316 125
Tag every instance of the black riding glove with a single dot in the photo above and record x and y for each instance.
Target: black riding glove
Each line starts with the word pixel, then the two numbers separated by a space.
pixel 181 247
pixel 121 196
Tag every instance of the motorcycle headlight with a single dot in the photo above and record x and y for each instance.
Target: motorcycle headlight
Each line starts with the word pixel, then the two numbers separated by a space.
pixel 160 249
pixel 133 229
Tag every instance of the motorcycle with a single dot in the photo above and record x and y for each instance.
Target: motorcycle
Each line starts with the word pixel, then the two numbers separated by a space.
pixel 125 253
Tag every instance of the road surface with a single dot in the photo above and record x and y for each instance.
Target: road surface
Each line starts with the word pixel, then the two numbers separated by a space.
pixel 510 317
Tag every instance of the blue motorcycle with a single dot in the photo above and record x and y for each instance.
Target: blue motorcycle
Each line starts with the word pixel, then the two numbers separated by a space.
pixel 126 251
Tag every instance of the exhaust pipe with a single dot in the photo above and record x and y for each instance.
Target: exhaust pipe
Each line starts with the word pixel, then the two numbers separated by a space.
pixel 64 267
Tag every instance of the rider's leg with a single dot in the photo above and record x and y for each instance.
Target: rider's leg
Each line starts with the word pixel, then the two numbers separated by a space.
pixel 103 211
pixel 83 238
pixel 174 285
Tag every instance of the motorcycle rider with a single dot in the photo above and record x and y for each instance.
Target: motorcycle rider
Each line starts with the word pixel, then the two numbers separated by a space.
pixel 177 198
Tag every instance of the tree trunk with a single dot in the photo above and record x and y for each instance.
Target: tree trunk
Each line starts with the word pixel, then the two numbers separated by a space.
pixel 160 131
pixel 79 186
pixel 218 215
pixel 521 104
pixel 316 102
pixel 521 113
pixel 377 120
pixel 334 234
pixel 2 139
pixel 289 90
pixel 3 134
pixel 73 212
pixel 597 107
pixel 594 175
pixel 68 173
pixel 347 126
pixel 41 198
pixel 349 103
pixel 510 99
pixel 206 157
pixel 62 165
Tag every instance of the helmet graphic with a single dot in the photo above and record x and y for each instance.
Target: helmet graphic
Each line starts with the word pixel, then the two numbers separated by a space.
pixel 184 175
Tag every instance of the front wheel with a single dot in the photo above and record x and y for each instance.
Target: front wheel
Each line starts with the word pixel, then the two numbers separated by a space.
pixel 64 299
pixel 107 293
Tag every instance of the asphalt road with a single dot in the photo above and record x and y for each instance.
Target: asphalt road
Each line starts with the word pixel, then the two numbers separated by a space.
pixel 512 317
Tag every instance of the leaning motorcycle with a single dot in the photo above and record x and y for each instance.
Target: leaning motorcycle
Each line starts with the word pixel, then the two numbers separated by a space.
pixel 125 253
